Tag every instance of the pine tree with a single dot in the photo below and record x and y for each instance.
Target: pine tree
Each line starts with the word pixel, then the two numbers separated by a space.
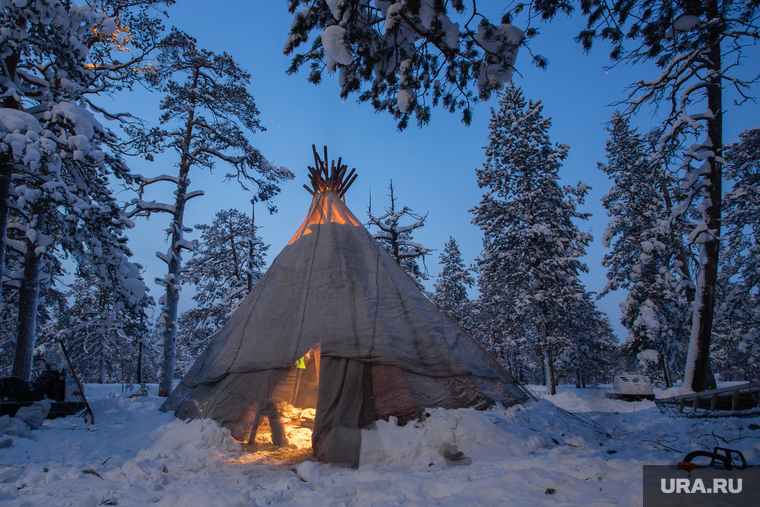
pixel 409 55
pixel 227 262
pixel 56 160
pixel 649 257
pixel 531 245
pixel 450 291
pixel 397 239
pixel 198 83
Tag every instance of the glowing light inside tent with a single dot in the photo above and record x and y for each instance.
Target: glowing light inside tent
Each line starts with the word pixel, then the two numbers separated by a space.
pixel 296 423
pixel 326 208
pixel 294 403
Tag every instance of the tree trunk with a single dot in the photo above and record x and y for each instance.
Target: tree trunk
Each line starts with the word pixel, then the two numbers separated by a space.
pixel 102 361
pixel 139 372
pixel 699 375
pixel 666 370
pixel 549 367
pixel 173 278
pixel 28 300
pixel 171 303
pixel 173 285
pixel 103 334
pixel 548 361
pixel 5 187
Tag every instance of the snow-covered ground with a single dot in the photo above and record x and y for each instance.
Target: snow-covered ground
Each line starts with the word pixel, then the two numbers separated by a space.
pixel 590 453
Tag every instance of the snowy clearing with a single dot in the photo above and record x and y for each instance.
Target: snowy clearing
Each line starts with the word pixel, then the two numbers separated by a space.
pixel 134 456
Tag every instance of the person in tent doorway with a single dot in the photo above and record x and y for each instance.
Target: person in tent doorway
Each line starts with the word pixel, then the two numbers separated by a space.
pixel 268 409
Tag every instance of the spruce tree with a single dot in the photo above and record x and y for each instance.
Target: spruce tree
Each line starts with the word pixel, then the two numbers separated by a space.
pixel 450 291
pixel 699 48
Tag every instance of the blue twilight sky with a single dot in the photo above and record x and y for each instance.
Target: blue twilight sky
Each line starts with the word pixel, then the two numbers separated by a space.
pixel 433 169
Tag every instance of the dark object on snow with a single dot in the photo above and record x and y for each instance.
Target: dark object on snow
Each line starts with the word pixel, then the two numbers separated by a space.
pixel 384 349
pixel 20 390
pixel 550 491
pixel 727 459
pixel 453 456
pixel 16 393
pixel 90 471
pixel 743 399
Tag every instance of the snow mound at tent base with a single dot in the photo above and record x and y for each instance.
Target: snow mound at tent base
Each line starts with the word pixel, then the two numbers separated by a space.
pixel 521 431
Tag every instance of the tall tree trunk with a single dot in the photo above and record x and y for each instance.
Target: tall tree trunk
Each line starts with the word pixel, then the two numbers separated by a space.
pixel 5 187
pixel 699 375
pixel 102 361
pixel 28 301
pixel 173 285
pixel 139 372
pixel 548 360
pixel 549 367
pixel 103 335
pixel 173 278
pixel 665 358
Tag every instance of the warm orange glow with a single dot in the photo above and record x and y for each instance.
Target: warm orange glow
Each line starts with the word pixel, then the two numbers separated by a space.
pixel 263 452
pixel 326 208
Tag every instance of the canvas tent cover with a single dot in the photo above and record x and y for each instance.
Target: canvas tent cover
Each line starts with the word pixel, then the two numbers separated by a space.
pixel 381 347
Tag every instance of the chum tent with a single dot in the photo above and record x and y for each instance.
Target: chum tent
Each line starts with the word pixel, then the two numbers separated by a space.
pixel 336 325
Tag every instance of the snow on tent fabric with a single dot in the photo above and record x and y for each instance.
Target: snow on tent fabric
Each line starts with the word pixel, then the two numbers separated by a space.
pixel 374 346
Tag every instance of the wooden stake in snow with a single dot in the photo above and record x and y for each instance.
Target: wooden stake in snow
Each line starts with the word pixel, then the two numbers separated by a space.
pixel 89 417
